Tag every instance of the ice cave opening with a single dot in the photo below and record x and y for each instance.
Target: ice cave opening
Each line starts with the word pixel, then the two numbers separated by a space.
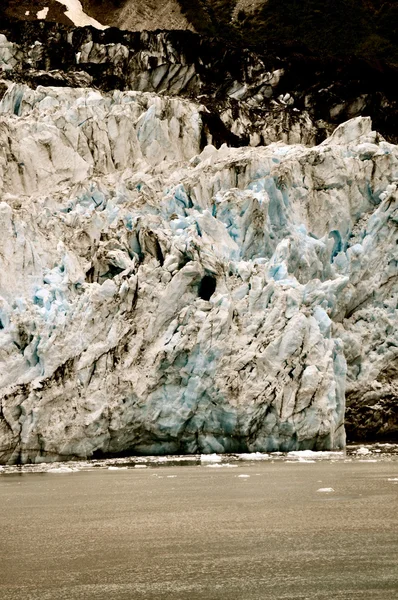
pixel 207 287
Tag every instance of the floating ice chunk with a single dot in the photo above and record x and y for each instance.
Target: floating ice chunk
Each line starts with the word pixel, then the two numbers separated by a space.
pixel 300 454
pixel 363 451
pixel 111 468
pixel 171 476
pixel 210 458
pixel 254 456
pixel 140 466
pixel 326 490
pixel 61 470
pixel 221 466
pixel 303 453
pixel 243 476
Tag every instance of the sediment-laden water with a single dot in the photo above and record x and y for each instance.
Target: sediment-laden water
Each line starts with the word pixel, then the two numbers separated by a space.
pixel 302 526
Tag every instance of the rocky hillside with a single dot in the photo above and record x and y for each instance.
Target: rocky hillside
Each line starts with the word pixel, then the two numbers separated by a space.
pixel 334 28
pixel 134 15
pixel 138 15
pixel 329 28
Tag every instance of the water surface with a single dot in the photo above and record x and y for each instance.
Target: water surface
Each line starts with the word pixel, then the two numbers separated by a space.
pixel 243 530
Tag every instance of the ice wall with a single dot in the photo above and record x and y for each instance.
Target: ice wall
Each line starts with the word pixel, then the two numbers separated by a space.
pixel 159 299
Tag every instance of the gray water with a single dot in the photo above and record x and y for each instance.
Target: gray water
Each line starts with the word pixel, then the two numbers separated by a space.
pixel 202 532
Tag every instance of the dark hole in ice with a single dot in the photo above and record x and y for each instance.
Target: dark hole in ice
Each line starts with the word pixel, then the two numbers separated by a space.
pixel 98 455
pixel 1 325
pixel 3 90
pixel 90 275
pixel 113 270
pixel 25 338
pixel 207 287
pixel 159 253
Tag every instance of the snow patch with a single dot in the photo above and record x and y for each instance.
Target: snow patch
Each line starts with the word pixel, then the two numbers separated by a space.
pixel 41 14
pixel 76 14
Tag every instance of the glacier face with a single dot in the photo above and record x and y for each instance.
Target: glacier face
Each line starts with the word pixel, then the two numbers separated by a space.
pixel 157 298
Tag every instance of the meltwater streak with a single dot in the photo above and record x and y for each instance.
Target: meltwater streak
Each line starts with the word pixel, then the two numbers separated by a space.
pixel 260 530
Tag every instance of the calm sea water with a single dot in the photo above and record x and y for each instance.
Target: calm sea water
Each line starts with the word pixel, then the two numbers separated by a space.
pixel 248 530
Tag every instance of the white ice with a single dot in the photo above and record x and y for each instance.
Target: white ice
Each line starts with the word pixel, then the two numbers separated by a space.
pixel 78 16
pixel 41 14
pixel 210 458
pixel 112 218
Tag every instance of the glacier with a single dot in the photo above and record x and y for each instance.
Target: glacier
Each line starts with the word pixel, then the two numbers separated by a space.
pixel 160 297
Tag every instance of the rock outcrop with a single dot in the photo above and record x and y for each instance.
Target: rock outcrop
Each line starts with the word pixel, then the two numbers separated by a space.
pixel 161 297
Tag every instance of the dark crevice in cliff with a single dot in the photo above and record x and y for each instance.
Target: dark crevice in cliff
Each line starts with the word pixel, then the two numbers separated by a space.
pixel 216 130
